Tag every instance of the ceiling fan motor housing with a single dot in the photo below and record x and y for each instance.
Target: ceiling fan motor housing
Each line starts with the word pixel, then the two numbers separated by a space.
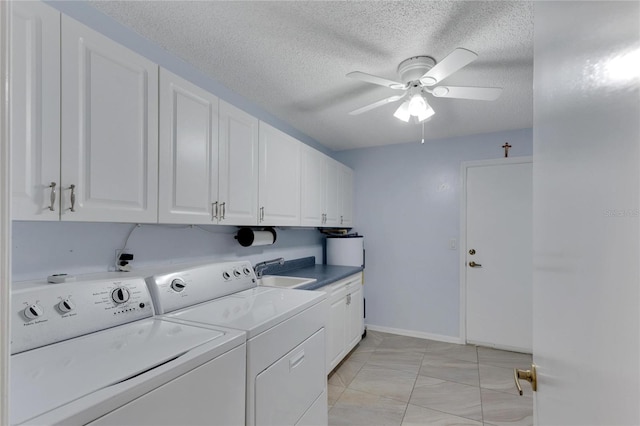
pixel 415 67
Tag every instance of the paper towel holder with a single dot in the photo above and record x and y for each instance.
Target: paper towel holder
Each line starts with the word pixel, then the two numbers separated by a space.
pixel 248 237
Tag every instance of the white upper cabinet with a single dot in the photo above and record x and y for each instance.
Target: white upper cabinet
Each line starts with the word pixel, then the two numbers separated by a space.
pixel 279 183
pixel 331 193
pixel 85 145
pixel 238 190
pixel 312 190
pixel 322 190
pixel 345 196
pixel 109 166
pixel 35 111
pixel 188 178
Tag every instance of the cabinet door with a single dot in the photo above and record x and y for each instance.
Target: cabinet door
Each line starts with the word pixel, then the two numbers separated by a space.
pixel 279 171
pixel 336 330
pixel 313 187
pixel 35 111
pixel 188 152
pixel 355 320
pixel 345 198
pixel 109 130
pixel 331 178
pixel 238 189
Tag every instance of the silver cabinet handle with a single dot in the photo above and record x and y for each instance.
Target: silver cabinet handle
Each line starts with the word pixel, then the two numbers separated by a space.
pixel 214 210
pixel 52 207
pixel 72 187
pixel 341 220
pixel 349 299
pixel 261 214
pixel 223 210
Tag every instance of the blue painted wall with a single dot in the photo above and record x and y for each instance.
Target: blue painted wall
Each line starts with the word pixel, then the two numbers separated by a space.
pixel 407 205
pixel 44 248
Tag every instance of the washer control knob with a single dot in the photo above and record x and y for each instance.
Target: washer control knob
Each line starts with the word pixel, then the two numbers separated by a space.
pixel 237 273
pixel 246 271
pixel 33 311
pixel 120 295
pixel 178 285
pixel 66 306
pixel 226 275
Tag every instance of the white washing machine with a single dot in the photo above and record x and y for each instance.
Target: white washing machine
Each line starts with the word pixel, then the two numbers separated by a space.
pixel 286 378
pixel 92 352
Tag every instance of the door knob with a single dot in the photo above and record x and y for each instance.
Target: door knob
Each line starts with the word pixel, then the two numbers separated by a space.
pixel 528 375
pixel 474 264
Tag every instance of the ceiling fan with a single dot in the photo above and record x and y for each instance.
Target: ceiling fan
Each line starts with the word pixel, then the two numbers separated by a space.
pixel 418 75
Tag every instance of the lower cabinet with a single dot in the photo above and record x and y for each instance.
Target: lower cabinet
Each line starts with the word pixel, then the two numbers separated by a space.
pixel 346 318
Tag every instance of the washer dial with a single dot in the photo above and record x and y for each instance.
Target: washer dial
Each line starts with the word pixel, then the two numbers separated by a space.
pixel 33 311
pixel 120 295
pixel 178 285
pixel 66 305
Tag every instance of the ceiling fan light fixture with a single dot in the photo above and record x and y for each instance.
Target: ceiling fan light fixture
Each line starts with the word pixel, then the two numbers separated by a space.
pixel 402 113
pixel 417 104
pixel 427 113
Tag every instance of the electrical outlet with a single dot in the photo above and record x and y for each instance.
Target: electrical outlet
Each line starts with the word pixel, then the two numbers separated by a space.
pixel 123 260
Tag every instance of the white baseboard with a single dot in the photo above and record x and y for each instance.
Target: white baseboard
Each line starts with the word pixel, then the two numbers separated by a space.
pixel 413 333
pixel 502 347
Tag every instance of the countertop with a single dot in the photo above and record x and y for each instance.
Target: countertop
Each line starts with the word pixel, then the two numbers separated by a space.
pixel 306 268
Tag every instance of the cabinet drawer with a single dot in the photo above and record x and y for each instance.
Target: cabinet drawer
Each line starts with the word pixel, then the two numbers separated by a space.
pixel 286 389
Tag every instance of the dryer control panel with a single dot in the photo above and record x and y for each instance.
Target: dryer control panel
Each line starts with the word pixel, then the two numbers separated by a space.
pixel 190 286
pixel 47 313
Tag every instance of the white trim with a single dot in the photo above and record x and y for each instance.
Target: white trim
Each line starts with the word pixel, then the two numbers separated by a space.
pixel 501 347
pixel 412 333
pixel 5 212
pixel 464 167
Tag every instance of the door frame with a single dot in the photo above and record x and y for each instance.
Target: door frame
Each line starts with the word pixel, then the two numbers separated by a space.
pixel 464 168
pixel 5 211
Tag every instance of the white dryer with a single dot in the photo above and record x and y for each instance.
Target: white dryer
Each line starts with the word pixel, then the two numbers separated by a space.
pixel 92 352
pixel 286 378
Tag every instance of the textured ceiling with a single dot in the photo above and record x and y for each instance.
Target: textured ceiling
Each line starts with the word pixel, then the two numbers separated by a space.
pixel 291 57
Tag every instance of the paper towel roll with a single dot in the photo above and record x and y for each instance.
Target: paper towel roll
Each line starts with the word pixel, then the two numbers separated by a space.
pixel 247 237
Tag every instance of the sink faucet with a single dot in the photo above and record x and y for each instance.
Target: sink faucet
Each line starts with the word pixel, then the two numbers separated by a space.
pixel 260 267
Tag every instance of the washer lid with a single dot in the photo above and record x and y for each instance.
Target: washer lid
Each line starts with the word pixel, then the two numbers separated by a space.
pixel 254 310
pixel 49 377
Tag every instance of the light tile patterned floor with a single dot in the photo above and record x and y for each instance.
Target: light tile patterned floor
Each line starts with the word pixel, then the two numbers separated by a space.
pixel 398 380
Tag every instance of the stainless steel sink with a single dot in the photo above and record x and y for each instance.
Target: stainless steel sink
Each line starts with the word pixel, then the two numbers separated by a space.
pixel 287 282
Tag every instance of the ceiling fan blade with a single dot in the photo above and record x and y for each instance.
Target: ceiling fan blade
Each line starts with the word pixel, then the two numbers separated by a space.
pixel 476 93
pixel 363 76
pixel 450 64
pixel 376 104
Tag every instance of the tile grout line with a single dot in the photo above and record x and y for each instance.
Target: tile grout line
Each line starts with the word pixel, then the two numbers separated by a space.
pixel 412 389
pixel 480 386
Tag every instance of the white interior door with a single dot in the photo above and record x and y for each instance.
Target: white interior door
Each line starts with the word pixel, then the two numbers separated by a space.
pixel 499 243
pixel 586 278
